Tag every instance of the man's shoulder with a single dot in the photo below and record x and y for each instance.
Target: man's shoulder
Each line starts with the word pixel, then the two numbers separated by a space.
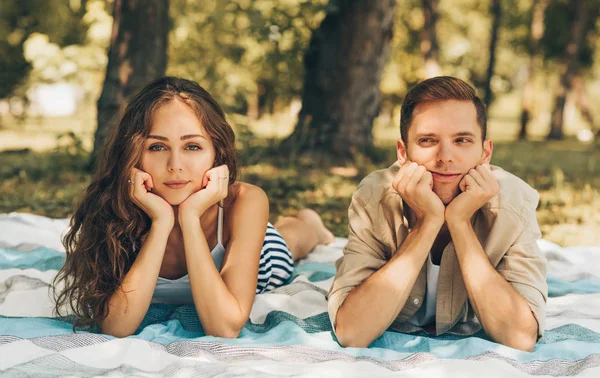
pixel 376 185
pixel 514 193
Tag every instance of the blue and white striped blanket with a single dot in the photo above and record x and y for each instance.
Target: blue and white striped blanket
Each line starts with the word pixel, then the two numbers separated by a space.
pixel 288 333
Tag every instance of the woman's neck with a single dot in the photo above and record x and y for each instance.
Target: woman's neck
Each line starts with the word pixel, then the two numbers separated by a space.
pixel 207 219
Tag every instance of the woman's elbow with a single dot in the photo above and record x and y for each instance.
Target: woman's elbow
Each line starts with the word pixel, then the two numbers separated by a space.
pixel 230 331
pixel 115 331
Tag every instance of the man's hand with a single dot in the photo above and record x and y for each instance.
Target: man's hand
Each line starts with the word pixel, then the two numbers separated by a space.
pixel 415 185
pixel 478 186
pixel 215 187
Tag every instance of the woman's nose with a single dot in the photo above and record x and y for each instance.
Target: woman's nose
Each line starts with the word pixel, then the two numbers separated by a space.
pixel 175 163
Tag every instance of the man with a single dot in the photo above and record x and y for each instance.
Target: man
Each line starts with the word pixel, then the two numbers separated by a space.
pixel 441 241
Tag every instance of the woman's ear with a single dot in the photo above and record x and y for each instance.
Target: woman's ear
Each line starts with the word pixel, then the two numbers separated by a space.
pixel 401 153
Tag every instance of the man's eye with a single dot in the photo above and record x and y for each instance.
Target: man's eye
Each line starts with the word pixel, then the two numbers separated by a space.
pixel 426 140
pixel 156 147
pixel 193 147
pixel 463 140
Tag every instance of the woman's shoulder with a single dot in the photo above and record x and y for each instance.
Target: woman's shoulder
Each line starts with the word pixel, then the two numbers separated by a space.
pixel 245 203
pixel 243 193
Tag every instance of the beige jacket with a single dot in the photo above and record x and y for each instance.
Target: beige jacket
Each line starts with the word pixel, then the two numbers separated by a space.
pixel 506 226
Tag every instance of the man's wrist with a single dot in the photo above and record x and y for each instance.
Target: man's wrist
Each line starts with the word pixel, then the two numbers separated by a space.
pixel 458 224
pixel 429 224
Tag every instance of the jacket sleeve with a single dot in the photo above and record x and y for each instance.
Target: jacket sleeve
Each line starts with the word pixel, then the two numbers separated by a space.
pixel 524 267
pixel 363 255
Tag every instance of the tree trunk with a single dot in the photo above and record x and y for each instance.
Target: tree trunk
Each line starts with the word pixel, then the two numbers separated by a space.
pixel 136 56
pixel 536 33
pixel 343 67
pixel 496 10
pixel 429 46
pixel 570 67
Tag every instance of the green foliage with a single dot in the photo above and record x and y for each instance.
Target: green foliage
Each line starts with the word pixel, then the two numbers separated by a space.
pixel 60 20
pixel 243 52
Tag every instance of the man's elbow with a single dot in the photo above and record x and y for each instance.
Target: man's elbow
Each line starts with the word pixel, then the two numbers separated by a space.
pixel 522 341
pixel 351 337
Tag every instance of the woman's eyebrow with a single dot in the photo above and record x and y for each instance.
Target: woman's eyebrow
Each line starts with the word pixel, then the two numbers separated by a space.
pixel 188 136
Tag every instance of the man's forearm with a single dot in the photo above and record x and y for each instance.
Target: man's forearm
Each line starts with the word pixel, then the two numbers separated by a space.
pixel 371 307
pixel 502 311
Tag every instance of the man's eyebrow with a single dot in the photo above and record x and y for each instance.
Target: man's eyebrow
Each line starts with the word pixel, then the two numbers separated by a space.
pixel 188 136
pixel 465 133
pixel 420 135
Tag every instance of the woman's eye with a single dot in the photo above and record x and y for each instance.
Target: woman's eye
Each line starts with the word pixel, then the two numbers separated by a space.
pixel 193 147
pixel 156 147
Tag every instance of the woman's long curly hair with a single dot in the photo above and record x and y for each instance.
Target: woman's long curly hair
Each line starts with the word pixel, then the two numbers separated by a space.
pixel 107 228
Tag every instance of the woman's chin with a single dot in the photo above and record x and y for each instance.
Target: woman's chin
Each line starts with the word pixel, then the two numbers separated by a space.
pixel 174 199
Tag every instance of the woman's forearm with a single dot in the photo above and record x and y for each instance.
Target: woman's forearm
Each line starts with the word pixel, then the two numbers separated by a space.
pixel 219 311
pixel 130 302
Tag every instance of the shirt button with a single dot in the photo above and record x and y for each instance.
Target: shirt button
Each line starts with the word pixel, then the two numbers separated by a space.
pixel 416 301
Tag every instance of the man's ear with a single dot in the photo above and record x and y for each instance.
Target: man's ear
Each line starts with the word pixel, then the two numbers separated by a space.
pixel 401 151
pixel 488 147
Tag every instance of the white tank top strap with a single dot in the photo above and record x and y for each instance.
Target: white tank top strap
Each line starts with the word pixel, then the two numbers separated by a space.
pixel 220 224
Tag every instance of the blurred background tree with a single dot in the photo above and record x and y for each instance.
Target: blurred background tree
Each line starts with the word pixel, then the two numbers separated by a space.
pixel 343 67
pixel 137 55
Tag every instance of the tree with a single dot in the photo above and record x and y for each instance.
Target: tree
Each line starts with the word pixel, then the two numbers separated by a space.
pixel 429 45
pixel 343 67
pixel 496 10
pixel 569 66
pixel 136 56
pixel 535 35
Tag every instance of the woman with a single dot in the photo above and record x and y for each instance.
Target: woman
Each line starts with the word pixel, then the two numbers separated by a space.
pixel 164 220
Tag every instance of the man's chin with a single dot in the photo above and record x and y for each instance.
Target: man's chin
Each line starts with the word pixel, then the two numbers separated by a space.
pixel 447 196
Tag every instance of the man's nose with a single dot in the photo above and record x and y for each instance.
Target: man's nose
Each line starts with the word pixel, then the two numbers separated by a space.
pixel 445 152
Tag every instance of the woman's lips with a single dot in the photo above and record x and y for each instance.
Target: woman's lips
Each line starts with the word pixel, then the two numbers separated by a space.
pixel 445 177
pixel 176 184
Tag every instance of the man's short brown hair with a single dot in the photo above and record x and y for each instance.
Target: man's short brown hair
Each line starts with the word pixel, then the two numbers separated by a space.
pixel 440 88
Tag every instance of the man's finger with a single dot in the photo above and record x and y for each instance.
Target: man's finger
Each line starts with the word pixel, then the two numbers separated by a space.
pixel 479 180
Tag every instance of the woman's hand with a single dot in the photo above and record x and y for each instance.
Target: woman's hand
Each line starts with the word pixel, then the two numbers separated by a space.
pixel 140 192
pixel 215 185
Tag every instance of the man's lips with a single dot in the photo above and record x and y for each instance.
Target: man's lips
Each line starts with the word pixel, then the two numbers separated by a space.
pixel 445 177
pixel 176 184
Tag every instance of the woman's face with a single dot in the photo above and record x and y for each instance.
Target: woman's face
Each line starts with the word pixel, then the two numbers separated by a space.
pixel 177 152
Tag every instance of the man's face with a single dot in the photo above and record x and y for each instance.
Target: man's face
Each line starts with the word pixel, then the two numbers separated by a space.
pixel 444 136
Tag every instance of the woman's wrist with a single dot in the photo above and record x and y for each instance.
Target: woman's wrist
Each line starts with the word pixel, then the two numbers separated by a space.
pixel 188 219
pixel 165 224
